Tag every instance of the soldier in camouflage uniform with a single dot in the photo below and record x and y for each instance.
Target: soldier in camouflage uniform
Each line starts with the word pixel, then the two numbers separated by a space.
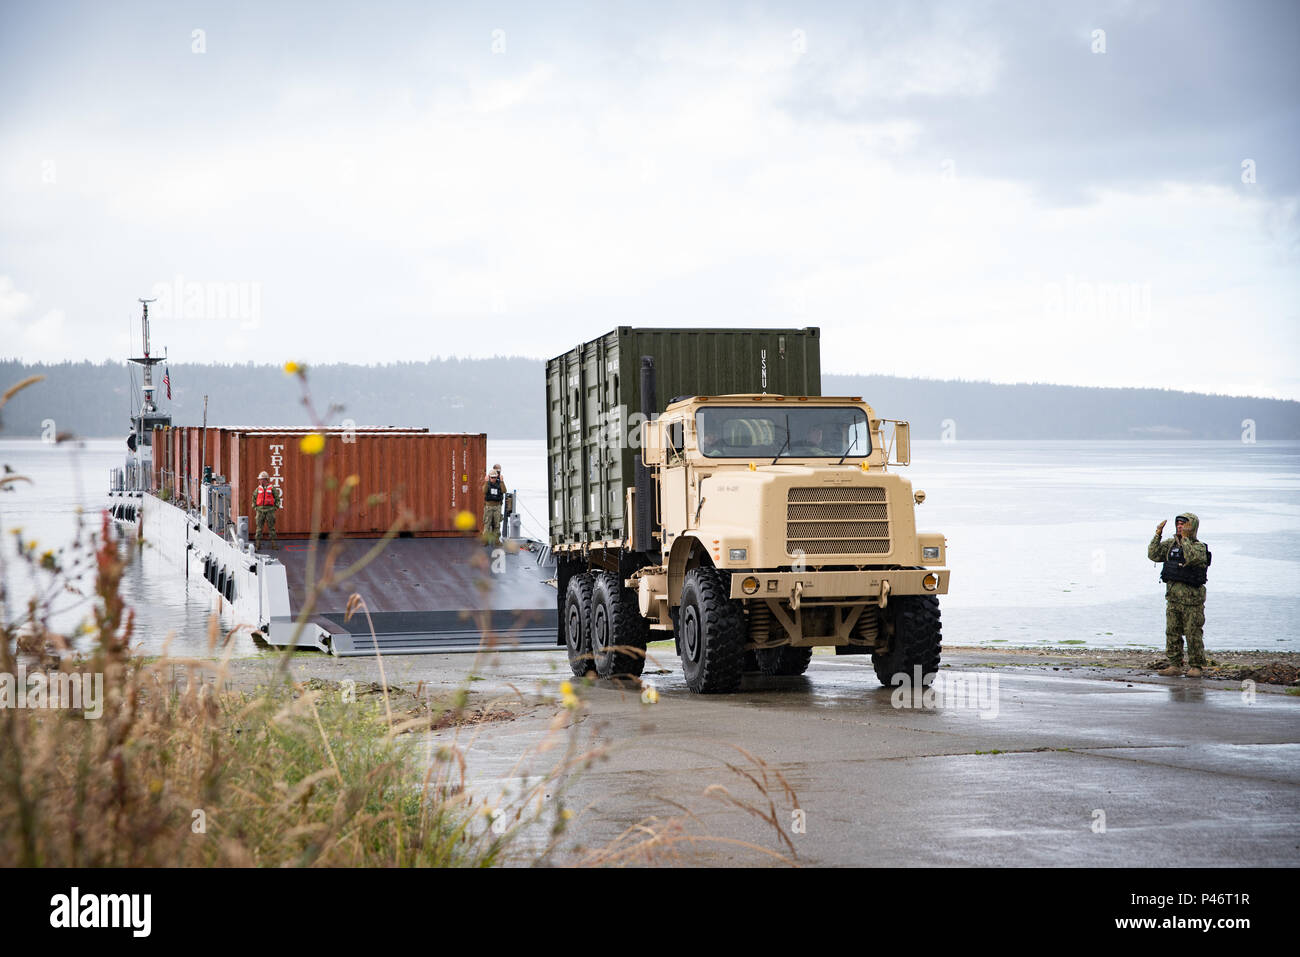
pixel 494 495
pixel 1184 557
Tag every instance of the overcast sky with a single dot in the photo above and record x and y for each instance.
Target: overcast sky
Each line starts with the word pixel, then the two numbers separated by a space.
pixel 980 191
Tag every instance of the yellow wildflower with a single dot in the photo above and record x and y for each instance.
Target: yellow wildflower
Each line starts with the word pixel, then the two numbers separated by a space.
pixel 465 521
pixel 312 443
pixel 568 699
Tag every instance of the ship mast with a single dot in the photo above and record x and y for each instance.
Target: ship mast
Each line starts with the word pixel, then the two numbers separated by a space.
pixel 147 361
pixel 143 423
pixel 137 475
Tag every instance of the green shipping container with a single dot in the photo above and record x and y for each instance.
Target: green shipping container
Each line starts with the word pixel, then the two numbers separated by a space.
pixel 593 407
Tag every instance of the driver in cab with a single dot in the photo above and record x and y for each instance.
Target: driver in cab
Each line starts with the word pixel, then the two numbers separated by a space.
pixel 811 443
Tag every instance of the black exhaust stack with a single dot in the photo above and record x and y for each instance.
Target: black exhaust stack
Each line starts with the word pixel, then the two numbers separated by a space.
pixel 646 519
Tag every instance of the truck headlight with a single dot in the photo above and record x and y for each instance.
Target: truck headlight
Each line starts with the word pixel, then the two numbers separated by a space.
pixel 930 553
pixel 737 554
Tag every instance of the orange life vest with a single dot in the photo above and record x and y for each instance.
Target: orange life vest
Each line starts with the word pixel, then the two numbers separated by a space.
pixel 265 495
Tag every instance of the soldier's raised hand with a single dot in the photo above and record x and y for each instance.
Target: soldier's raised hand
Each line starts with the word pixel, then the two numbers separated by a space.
pixel 1160 529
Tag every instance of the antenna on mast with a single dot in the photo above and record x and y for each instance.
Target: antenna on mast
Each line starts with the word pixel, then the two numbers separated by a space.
pixel 144 320
pixel 147 362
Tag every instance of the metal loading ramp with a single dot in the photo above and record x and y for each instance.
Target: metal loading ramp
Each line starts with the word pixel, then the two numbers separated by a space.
pixel 431 595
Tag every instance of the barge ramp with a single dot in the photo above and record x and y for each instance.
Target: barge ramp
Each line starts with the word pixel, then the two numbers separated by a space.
pixel 424 595
pixel 429 595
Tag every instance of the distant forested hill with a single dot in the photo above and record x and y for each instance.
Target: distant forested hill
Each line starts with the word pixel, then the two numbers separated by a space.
pixel 504 397
pixel 985 410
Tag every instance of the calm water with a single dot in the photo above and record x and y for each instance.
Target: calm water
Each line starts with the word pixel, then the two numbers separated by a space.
pixel 1047 540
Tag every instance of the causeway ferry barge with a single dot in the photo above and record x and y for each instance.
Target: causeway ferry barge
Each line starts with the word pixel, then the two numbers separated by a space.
pixel 187 491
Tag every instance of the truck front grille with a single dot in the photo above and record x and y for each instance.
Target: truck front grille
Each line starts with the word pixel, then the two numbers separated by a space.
pixel 837 521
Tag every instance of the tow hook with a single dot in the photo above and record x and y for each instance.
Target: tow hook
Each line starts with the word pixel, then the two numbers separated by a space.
pixel 796 595
pixel 884 593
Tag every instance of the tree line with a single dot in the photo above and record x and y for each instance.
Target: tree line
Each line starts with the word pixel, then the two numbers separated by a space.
pixel 505 397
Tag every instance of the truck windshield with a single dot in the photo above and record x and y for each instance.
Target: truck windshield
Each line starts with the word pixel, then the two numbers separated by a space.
pixel 788 433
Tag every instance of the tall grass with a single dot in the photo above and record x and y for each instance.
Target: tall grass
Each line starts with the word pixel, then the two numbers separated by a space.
pixel 180 771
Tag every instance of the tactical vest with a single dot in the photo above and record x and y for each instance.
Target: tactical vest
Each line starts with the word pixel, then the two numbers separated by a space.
pixel 265 496
pixel 494 492
pixel 1175 571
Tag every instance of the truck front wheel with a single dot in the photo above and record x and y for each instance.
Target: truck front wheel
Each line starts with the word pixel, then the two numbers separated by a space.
pixel 711 636
pixel 618 632
pixel 577 624
pixel 916 642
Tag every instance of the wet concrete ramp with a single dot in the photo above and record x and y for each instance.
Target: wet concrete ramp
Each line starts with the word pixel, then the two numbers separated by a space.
pixel 428 595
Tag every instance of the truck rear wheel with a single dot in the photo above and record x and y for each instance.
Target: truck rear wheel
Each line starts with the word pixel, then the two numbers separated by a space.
pixel 917 640
pixel 712 634
pixel 618 632
pixel 786 660
pixel 577 624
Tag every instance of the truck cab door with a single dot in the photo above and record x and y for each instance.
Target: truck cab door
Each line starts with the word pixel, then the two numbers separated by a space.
pixel 673 489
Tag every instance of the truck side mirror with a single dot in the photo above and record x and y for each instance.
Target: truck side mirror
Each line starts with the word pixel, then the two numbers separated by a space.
pixel 652 443
pixel 902 444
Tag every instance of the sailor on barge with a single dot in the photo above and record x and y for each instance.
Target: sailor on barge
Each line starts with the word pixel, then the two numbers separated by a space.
pixel 266 499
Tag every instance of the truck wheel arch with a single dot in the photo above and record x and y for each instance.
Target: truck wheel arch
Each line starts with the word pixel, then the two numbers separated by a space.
pixel 687 552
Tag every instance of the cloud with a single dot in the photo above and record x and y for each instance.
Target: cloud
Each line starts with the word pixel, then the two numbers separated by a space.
pixel 45 336
pixel 42 338
pixel 1179 93
pixel 13 302
pixel 914 178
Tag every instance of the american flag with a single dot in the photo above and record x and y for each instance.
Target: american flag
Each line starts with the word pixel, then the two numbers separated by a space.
pixel 167 381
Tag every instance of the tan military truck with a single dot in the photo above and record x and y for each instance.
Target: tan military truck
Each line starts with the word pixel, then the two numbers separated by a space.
pixel 760 526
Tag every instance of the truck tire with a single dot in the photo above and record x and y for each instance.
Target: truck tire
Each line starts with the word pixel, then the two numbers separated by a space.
pixel 618 632
pixel 786 660
pixel 577 624
pixel 917 640
pixel 712 634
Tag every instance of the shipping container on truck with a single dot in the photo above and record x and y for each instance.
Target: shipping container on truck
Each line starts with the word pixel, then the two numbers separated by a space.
pixel 593 405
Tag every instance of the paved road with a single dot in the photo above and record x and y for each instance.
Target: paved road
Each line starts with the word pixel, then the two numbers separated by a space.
pixel 1069 767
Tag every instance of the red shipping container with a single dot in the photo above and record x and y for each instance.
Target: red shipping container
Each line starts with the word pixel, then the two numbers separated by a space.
pixel 434 476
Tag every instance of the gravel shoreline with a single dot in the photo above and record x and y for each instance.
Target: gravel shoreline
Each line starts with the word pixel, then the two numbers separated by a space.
pixel 1269 669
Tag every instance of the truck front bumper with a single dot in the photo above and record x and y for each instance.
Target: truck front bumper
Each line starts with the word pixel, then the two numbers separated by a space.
pixel 839 586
